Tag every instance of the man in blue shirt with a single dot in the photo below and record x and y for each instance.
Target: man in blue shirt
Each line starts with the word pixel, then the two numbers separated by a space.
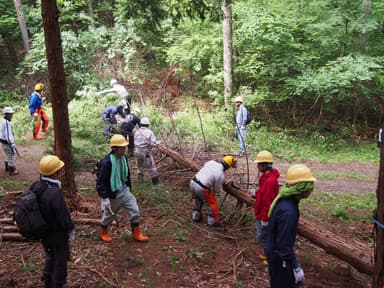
pixel 109 116
pixel 241 124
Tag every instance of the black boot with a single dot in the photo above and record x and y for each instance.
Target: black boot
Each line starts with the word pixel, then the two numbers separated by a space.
pixel 6 166
pixel 140 178
pixel 155 180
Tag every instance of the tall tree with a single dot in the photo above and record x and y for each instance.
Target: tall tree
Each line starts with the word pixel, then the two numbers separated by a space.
pixel 22 24
pixel 227 45
pixel 59 96
pixel 378 280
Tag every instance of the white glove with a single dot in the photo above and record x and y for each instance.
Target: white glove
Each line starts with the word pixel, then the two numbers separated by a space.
pixel 242 127
pixel 71 236
pixel 264 223
pixel 157 142
pixel 13 146
pixel 252 192
pixel 299 275
pixel 105 203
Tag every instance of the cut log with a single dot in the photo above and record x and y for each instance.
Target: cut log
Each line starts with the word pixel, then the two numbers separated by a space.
pixel 12 237
pixel 354 253
pixel 9 228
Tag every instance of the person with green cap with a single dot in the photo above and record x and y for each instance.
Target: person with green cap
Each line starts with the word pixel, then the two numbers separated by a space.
pixel 283 267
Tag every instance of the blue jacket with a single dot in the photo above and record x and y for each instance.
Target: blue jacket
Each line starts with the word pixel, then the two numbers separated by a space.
pixel 103 184
pixel 110 112
pixel 35 102
pixel 282 231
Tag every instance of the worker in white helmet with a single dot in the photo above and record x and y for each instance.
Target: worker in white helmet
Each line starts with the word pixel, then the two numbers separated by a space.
pixel 8 142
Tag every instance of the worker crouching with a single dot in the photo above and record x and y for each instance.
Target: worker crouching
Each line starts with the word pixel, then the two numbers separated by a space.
pixel 114 187
pixel 206 183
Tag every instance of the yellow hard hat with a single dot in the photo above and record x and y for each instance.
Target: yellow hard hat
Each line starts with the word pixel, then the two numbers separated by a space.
pixel 49 165
pixel 230 161
pixel 39 86
pixel 118 140
pixel 264 157
pixel 299 173
pixel 238 99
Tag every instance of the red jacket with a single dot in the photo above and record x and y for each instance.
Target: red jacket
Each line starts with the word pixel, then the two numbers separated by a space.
pixel 268 190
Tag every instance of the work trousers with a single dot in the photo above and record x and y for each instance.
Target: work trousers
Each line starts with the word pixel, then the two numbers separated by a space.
pixel 145 161
pixel 280 276
pixel 10 153
pixel 241 136
pixel 261 234
pixel 199 197
pixel 41 119
pixel 124 200
pixel 55 270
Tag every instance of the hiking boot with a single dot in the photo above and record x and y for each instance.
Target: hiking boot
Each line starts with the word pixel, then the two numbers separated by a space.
pixel 12 171
pixel 104 235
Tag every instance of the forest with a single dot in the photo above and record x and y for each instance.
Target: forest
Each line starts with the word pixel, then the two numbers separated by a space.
pixel 311 73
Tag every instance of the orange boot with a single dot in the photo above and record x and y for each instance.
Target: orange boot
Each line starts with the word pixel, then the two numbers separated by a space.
pixel 104 235
pixel 137 234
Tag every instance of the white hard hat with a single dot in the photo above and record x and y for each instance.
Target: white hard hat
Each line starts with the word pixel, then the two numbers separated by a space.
pixel 238 99
pixel 8 110
pixel 137 110
pixel 113 82
pixel 144 121
pixel 123 103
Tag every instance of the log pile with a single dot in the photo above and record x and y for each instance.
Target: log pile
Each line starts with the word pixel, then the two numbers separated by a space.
pixel 354 253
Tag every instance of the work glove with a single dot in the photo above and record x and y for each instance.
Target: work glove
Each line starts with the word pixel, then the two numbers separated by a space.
pixel 35 116
pixel 264 223
pixel 13 146
pixel 252 192
pixel 299 274
pixel 242 127
pixel 105 203
pixel 71 236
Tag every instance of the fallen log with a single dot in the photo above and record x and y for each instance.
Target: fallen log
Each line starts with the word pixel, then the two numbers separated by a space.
pixel 11 228
pixel 354 253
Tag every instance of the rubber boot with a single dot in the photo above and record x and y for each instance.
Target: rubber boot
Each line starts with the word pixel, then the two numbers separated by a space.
pixel 140 177
pixel 104 235
pixel 12 171
pixel 196 216
pixel 137 234
pixel 155 180
pixel 36 130
pixel 6 166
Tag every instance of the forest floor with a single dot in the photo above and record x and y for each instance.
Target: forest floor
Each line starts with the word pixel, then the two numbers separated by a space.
pixel 180 253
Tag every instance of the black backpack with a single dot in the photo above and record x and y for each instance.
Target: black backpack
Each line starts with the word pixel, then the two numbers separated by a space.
pixel 28 217
pixel 249 116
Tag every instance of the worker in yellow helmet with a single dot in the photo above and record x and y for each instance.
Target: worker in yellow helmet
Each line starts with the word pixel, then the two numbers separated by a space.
pixel 283 267
pixel 206 183
pixel 39 115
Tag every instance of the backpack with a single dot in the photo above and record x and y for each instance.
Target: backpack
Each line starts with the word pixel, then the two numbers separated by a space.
pixel 249 116
pixel 28 217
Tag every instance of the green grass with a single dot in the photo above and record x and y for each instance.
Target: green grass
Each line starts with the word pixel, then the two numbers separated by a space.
pixel 356 207
pixel 345 176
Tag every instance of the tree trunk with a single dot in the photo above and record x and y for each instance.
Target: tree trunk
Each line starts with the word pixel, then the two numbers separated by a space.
pixel 353 252
pixel 90 13
pixel 22 24
pixel 365 15
pixel 378 280
pixel 58 85
pixel 227 45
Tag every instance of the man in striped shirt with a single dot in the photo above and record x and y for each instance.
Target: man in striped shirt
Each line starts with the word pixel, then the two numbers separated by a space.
pixel 8 142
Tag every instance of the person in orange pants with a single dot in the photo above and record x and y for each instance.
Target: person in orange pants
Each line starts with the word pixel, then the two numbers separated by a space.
pixel 40 117
pixel 206 183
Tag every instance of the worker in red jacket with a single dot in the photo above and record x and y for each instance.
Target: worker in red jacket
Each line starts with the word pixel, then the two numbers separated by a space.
pixel 268 190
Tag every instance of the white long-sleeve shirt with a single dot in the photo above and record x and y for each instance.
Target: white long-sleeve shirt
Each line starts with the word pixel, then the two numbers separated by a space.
pixel 144 138
pixel 212 176
pixel 6 132
pixel 118 89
